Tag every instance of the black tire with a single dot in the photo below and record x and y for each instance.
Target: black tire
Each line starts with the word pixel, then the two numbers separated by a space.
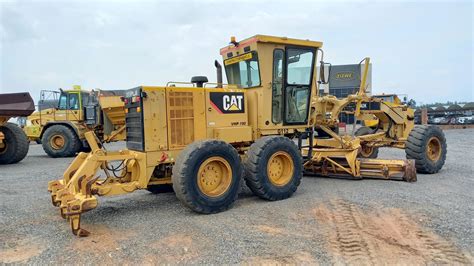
pixel 71 146
pixel 85 148
pixel 38 141
pixel 185 176
pixel 16 144
pixel 256 164
pixel 157 189
pixel 366 152
pixel 417 144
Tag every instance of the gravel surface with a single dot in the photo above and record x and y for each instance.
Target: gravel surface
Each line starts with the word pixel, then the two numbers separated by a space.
pixel 326 221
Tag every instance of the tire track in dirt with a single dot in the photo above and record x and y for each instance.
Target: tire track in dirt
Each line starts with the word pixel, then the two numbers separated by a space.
pixel 382 237
pixel 349 242
pixel 441 251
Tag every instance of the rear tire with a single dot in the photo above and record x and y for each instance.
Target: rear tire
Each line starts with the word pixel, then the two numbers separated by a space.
pixel 16 144
pixel 60 141
pixel 273 168
pixel 366 151
pixel 426 144
pixel 207 176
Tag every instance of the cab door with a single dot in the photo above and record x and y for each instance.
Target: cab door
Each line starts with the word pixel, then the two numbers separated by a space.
pixel 69 107
pixel 74 106
pixel 298 78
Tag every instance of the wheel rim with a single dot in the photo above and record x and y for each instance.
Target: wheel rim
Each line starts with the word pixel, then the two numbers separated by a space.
pixel 57 142
pixel 280 168
pixel 366 151
pixel 433 149
pixel 214 176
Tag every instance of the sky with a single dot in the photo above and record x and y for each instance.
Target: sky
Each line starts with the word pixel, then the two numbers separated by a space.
pixel 419 48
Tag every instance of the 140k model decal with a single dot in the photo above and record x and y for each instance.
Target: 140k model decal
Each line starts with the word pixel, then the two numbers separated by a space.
pixel 228 102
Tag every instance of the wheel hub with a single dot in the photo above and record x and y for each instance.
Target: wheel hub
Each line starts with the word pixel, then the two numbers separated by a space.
pixel 280 168
pixel 214 176
pixel 433 149
pixel 57 142
pixel 366 150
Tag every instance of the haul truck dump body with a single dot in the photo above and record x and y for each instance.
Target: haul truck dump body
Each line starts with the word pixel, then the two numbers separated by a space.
pixel 13 142
pixel 204 139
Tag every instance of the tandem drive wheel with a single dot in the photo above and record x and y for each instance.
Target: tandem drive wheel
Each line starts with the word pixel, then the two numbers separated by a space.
pixel 207 176
pixel 273 168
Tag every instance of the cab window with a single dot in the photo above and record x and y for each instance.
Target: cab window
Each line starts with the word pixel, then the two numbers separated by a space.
pixel 299 69
pixel 62 102
pixel 299 66
pixel 277 85
pixel 69 101
pixel 74 101
pixel 243 70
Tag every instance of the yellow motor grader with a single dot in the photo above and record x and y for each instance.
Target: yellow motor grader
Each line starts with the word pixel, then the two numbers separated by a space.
pixel 203 139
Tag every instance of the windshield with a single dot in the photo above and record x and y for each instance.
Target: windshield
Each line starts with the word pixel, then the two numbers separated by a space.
pixel 243 70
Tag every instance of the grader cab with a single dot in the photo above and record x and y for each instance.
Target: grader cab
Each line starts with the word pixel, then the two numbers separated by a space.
pixel 201 138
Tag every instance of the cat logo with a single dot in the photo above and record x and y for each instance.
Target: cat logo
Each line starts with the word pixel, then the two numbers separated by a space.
pixel 232 102
pixel 228 102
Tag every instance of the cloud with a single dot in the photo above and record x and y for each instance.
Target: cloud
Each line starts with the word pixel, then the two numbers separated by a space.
pixel 123 44
pixel 16 26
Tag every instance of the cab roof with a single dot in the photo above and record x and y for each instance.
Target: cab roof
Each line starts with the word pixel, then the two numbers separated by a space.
pixel 273 39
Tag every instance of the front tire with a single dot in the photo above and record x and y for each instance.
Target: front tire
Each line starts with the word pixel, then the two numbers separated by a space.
pixel 273 168
pixel 207 176
pixel 16 144
pixel 60 141
pixel 426 144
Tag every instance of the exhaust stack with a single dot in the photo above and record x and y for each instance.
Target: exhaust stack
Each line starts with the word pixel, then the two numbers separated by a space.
pixel 219 73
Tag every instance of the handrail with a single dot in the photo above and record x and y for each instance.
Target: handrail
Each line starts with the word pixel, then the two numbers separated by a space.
pixel 215 83
pixel 179 82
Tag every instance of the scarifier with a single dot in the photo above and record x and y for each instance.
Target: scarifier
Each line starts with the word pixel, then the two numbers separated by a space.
pixel 199 139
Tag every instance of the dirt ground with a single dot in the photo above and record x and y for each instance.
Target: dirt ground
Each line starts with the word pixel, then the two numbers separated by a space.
pixel 327 221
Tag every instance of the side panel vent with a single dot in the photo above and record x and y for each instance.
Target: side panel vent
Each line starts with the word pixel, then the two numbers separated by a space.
pixel 134 122
pixel 181 116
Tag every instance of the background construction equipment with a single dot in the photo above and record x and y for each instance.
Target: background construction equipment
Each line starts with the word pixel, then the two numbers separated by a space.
pixel 60 127
pixel 13 142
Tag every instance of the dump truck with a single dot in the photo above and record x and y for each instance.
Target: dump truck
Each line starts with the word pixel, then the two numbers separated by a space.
pixel 60 128
pixel 13 141
pixel 204 139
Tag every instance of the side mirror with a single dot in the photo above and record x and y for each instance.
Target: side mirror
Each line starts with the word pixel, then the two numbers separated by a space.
pixel 323 78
